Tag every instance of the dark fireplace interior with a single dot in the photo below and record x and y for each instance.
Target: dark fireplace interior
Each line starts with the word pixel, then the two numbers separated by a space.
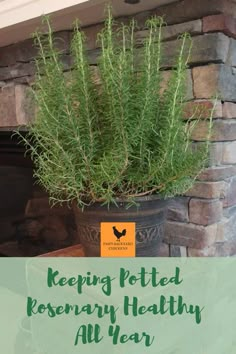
pixel 28 225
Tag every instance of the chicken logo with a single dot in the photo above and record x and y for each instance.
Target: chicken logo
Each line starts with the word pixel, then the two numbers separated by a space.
pixel 117 239
pixel 118 234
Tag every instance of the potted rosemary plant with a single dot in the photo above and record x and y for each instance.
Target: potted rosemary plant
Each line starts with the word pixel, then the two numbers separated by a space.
pixel 117 148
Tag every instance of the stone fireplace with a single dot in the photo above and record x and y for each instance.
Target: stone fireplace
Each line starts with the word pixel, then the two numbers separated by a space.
pixel 201 223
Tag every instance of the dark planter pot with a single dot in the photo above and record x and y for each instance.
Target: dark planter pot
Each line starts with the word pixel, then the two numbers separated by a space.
pixel 149 216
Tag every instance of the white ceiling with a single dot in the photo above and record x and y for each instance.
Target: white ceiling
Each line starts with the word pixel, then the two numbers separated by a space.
pixel 19 18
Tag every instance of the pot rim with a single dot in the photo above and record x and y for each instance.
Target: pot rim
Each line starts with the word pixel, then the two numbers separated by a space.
pixel 146 198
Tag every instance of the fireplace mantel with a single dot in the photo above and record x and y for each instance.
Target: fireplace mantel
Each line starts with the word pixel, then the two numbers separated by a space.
pixel 19 18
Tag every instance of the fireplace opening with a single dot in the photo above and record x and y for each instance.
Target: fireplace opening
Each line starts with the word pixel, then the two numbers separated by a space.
pixel 28 225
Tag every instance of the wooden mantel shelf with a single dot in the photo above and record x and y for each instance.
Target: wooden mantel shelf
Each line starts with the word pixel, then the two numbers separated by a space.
pixel 20 18
pixel 16 11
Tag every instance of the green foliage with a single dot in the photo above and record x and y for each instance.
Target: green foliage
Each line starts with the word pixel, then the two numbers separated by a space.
pixel 119 139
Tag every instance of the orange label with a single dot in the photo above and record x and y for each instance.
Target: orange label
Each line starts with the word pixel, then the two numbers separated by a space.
pixel 117 239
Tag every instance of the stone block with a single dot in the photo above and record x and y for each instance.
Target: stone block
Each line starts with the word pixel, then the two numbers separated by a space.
pixel 205 80
pixel 25 80
pixel 208 190
pixel 95 75
pixel 62 41
pixel 215 153
pixel 178 209
pixel 203 109
pixel 178 251
pixel 140 19
pixel 172 32
pixel 20 52
pixel 190 235
pixel 205 212
pixel 215 159
pixel 91 33
pixel 164 250
pixel 232 53
pixel 205 252
pixel 18 70
pixel 227 229
pixel 230 194
pixel 221 153
pixel 222 130
pixel 166 75
pixel 8 107
pixel 228 212
pixel 209 48
pixel 26 51
pixel 67 62
pixel 93 56
pixel 229 109
pixel 222 23
pixel 24 105
pixel 187 10
pixel 213 79
pixel 226 249
pixel 16 106
pixel 229 153
pixel 200 131
pixel 217 173
pixel 221 230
